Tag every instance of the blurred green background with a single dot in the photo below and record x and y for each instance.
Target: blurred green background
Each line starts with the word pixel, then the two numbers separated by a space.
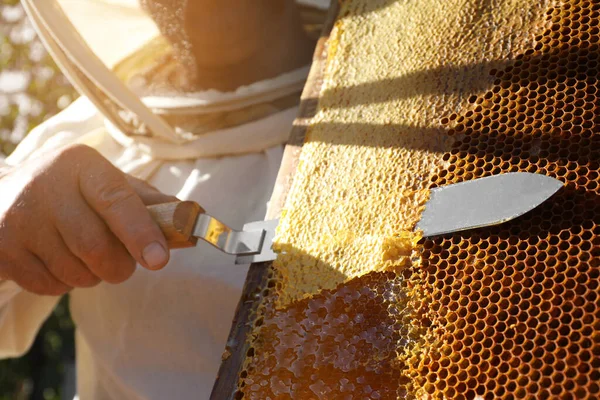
pixel 32 89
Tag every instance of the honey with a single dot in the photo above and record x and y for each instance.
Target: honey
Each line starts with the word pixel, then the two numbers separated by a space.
pixel 339 344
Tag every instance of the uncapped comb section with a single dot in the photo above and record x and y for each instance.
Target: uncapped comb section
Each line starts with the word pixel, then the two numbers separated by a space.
pixel 317 349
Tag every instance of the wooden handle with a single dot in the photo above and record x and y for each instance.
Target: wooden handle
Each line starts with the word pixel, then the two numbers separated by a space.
pixel 176 220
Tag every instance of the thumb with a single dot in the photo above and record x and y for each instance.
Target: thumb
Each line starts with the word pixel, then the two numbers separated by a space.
pixel 148 193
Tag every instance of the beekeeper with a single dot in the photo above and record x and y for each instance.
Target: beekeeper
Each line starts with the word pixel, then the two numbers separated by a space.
pixel 222 79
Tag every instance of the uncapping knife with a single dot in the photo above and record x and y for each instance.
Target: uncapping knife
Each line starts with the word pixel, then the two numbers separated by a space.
pixel 452 208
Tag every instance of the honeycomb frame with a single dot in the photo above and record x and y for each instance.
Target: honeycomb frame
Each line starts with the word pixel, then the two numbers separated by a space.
pixel 508 311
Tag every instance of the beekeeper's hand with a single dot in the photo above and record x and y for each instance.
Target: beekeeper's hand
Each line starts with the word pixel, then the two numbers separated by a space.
pixel 71 219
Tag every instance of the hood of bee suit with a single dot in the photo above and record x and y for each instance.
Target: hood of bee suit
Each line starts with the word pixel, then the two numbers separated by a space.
pixel 111 49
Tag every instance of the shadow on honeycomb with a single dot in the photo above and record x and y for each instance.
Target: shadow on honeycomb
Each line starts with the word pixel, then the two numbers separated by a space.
pixel 507 312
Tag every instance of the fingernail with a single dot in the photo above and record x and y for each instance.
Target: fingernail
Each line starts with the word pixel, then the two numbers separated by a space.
pixel 155 255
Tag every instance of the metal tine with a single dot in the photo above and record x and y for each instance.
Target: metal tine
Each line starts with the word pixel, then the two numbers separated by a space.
pixel 228 240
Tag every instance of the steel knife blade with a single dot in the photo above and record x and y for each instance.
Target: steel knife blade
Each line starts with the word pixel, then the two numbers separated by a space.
pixel 483 202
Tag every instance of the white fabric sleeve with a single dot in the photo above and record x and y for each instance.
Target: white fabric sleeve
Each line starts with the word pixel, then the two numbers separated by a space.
pixel 21 316
pixel 66 127
pixel 3 166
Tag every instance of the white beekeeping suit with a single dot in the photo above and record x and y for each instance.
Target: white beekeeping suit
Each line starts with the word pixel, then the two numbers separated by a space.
pixel 159 335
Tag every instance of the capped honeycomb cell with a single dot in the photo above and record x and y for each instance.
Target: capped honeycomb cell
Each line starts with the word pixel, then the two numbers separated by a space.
pixel 511 311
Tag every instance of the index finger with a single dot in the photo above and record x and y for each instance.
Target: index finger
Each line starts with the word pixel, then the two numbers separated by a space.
pixel 107 191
